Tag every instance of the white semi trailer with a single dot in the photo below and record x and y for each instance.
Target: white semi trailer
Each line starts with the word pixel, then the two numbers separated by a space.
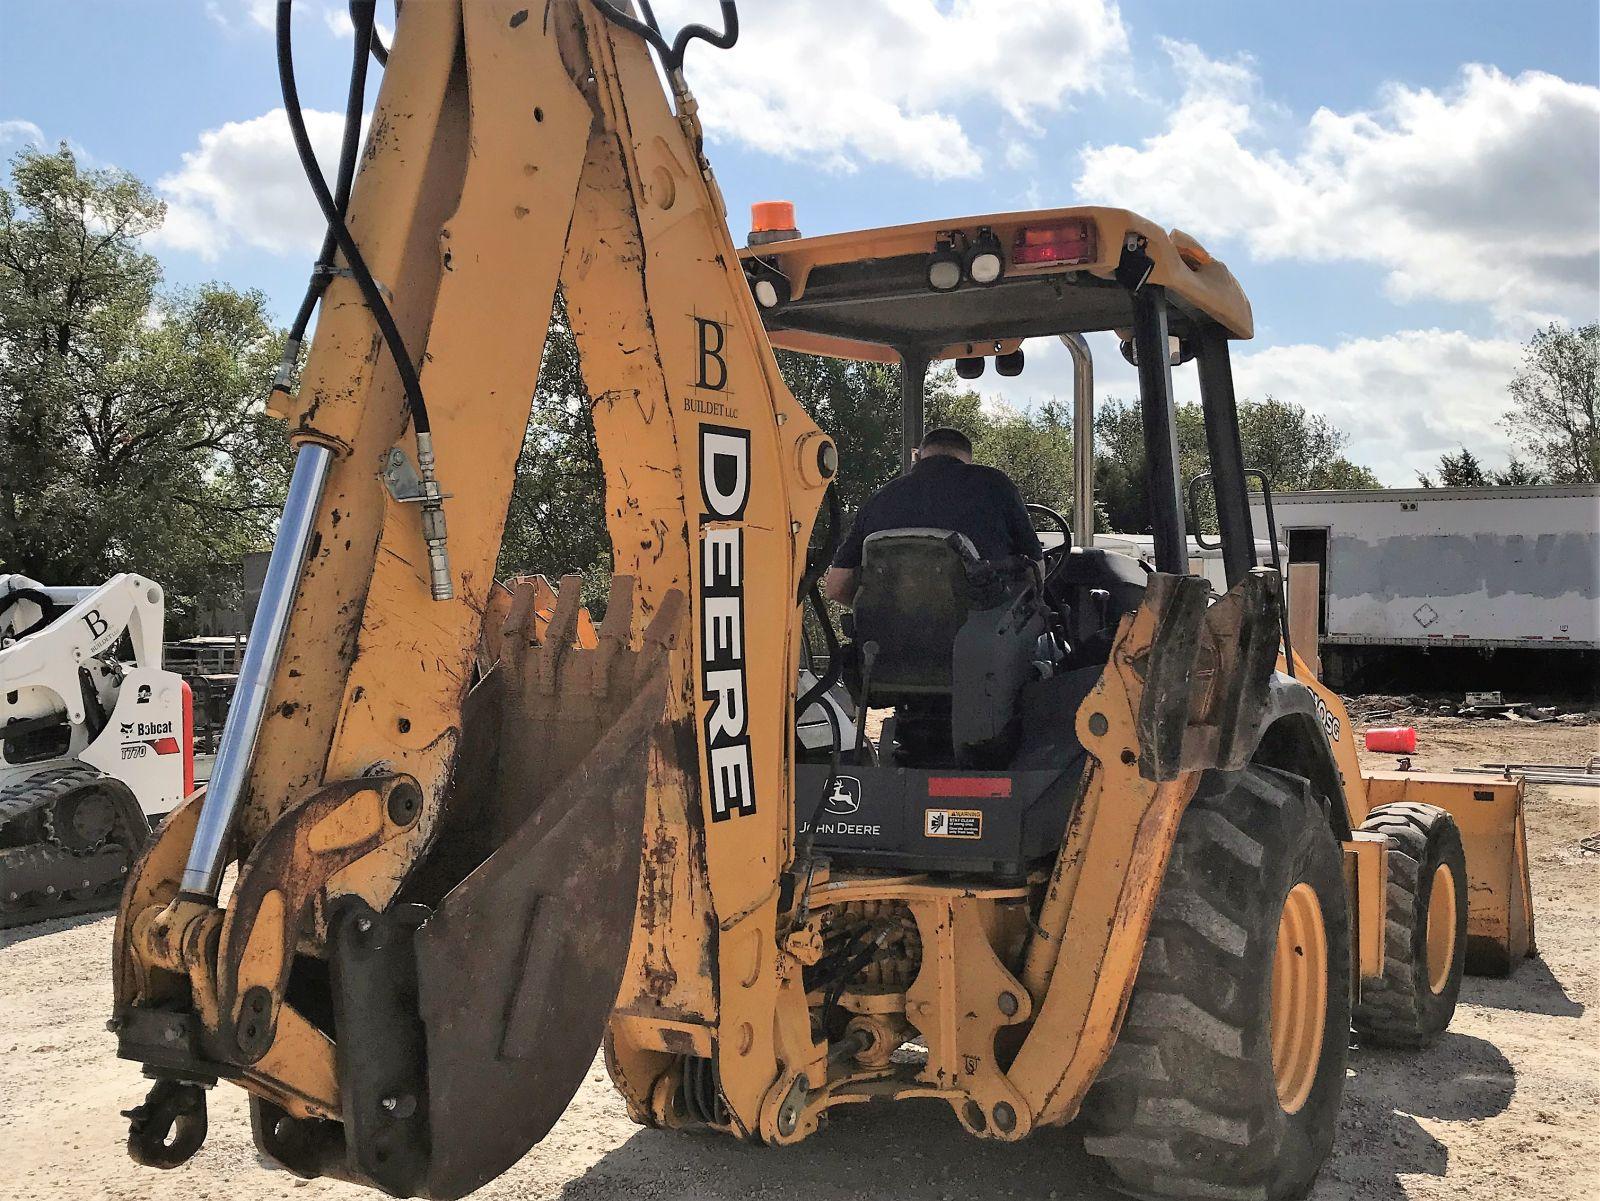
pixel 1492 569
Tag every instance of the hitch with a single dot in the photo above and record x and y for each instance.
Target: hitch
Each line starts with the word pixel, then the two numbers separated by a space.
pixel 169 1127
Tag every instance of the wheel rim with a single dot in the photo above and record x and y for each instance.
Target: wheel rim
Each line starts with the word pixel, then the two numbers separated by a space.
pixel 1299 996
pixel 1441 928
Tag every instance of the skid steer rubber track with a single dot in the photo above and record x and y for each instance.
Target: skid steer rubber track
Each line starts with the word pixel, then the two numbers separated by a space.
pixel 1425 928
pixel 1191 1103
pixel 48 871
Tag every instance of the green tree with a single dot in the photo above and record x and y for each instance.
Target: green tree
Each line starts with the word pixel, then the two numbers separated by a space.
pixel 1035 450
pixel 1460 470
pixel 132 428
pixel 1516 472
pixel 1464 470
pixel 1297 450
pixel 1554 397
pixel 858 406
pixel 556 521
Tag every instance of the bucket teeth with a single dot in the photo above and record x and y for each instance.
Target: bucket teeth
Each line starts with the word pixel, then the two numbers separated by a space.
pixel 571 696
pixel 556 687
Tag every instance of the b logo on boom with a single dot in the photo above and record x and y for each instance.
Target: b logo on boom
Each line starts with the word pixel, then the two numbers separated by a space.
pixel 724 491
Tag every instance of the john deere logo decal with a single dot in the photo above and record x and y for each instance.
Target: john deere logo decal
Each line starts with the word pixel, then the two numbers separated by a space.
pixel 845 798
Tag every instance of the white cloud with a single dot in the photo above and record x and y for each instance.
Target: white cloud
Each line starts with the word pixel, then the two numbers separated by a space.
pixel 243 186
pixel 341 26
pixel 338 22
pixel 1403 399
pixel 242 14
pixel 846 82
pixel 1486 193
pixel 18 130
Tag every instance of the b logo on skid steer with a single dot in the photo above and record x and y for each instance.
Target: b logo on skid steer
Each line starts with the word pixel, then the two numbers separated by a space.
pixel 725 489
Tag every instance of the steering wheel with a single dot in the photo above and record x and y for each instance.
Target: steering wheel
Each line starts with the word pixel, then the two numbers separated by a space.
pixel 1056 556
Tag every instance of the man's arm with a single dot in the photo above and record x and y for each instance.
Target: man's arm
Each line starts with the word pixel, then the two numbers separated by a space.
pixel 1024 538
pixel 839 585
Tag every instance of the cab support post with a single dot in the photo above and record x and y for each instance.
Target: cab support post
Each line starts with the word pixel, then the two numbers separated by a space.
pixel 913 380
pixel 1082 438
pixel 1165 489
pixel 1227 455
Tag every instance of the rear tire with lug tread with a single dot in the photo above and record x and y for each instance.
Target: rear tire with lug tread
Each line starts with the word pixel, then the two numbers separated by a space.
pixel 1425 928
pixel 1208 1093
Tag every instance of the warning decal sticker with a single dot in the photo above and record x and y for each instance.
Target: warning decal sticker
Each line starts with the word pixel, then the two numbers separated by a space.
pixel 952 823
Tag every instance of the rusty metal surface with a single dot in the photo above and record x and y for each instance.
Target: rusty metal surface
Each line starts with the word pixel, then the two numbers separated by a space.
pixel 280 881
pixel 1165 671
pixel 1240 642
pixel 152 883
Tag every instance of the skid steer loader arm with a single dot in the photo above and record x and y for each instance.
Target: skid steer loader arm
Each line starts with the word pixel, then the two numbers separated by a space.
pixel 445 892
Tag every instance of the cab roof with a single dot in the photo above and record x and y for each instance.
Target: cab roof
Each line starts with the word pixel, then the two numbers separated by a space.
pixel 865 294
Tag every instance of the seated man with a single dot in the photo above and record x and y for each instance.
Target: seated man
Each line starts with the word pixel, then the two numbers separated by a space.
pixel 944 490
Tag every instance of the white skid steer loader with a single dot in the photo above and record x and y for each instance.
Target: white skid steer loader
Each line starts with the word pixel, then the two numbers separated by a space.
pixel 96 741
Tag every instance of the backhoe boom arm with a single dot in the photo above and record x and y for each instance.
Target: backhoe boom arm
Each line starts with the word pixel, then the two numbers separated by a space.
pixel 513 149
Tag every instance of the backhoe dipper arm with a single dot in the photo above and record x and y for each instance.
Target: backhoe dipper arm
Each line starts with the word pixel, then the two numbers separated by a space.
pixel 455 862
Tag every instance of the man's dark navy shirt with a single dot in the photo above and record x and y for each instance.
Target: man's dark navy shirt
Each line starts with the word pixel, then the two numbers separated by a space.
pixel 943 493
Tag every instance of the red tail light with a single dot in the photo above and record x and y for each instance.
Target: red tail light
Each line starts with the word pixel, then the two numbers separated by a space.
pixel 1062 242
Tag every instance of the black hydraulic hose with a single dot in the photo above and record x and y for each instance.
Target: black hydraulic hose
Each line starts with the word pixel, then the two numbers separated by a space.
pixel 822 558
pixel 830 642
pixel 379 50
pixel 340 232
pixel 852 967
pixel 672 52
pixel 817 564
pixel 349 147
pixel 817 693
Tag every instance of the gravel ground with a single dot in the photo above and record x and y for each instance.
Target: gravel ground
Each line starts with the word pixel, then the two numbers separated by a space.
pixel 1504 1108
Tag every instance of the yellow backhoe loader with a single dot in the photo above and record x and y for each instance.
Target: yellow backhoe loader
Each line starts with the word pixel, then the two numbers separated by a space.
pixel 1141 880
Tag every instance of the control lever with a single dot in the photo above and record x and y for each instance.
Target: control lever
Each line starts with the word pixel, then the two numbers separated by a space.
pixel 869 656
pixel 1099 609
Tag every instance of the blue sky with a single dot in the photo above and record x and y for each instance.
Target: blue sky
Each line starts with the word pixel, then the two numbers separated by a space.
pixel 1405 189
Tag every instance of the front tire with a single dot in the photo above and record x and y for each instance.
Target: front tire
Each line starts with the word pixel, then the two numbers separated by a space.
pixel 1425 928
pixel 1228 1075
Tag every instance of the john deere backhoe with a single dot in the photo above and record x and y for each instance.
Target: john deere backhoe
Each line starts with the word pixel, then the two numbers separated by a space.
pixel 1130 883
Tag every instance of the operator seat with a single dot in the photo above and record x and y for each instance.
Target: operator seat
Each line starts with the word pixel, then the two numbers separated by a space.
pixel 949 639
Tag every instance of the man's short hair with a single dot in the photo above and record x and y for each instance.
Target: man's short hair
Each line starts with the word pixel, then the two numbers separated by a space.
pixel 945 440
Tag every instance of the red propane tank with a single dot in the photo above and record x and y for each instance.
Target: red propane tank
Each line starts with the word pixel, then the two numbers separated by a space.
pixel 1402 740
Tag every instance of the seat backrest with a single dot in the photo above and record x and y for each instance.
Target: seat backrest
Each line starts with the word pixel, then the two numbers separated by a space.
pixel 912 598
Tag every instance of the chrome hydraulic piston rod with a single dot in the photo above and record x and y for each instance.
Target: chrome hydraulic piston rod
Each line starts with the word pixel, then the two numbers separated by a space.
pixel 202 874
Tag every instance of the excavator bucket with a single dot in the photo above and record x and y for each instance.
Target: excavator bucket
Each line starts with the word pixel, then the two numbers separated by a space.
pixel 1488 812
pixel 534 590
pixel 468 1014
